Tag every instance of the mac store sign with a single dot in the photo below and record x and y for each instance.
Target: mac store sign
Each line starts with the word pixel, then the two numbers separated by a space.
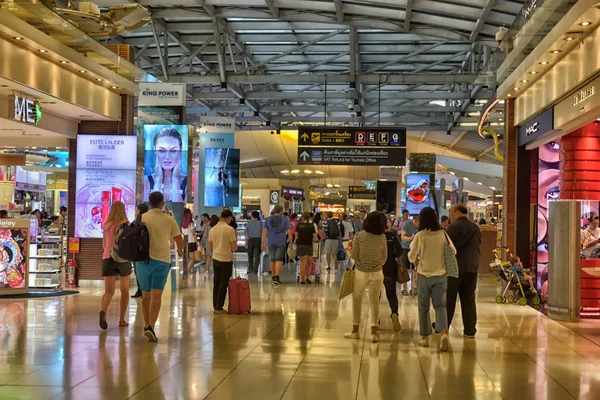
pixel 537 128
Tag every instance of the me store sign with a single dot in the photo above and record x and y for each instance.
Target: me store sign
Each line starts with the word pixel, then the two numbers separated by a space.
pixel 24 110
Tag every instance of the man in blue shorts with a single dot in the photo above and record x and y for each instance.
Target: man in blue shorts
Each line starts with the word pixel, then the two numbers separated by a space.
pixel 152 277
pixel 277 229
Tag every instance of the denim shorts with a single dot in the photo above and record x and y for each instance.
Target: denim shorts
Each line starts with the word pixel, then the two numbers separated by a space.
pixel 152 275
pixel 277 253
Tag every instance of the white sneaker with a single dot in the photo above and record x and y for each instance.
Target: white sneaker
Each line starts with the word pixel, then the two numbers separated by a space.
pixel 396 323
pixel 424 342
pixel 352 335
pixel 374 338
pixel 445 344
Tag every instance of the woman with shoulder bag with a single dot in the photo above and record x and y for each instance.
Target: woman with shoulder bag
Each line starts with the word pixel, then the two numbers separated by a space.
pixel 188 229
pixel 111 269
pixel 390 272
pixel 369 251
pixel 429 247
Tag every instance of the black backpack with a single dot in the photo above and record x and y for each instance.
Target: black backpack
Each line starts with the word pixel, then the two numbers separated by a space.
pixel 334 230
pixel 133 242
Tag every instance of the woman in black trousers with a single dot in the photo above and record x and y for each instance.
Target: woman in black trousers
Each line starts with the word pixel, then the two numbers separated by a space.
pixel 390 272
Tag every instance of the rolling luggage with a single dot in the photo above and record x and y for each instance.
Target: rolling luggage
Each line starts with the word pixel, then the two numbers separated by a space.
pixel 239 294
pixel 265 263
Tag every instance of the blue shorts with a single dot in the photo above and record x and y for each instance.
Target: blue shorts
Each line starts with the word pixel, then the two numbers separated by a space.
pixel 153 275
pixel 277 253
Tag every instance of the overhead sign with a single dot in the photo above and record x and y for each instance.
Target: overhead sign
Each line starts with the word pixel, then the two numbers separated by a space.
pixel 161 94
pixel 536 128
pixel 391 173
pixel 216 124
pixel 351 156
pixel 274 197
pixel 24 110
pixel 584 101
pixel 422 162
pixel 289 192
pixel 352 137
pixel 361 193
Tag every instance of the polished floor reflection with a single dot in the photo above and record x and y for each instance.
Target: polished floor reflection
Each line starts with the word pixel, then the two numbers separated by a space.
pixel 291 347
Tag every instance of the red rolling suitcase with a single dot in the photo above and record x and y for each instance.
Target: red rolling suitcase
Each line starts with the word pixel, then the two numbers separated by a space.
pixel 239 294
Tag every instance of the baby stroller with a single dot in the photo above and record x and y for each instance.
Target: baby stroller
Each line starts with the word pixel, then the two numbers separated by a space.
pixel 510 281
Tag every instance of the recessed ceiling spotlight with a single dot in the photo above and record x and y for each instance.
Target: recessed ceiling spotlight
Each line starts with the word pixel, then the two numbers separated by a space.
pixel 114 87
pixel 544 63
pixel 329 185
pixel 509 95
pixel 465 178
pixel 555 51
pixel 319 172
pixel 64 62
pixel 533 72
pixel 99 79
pixel 43 51
pixel 337 185
pixel 285 171
pixel 295 171
pixel 585 23
pixel 569 38
pixel 524 81
pixel 308 171
pixel 83 71
pixel 18 38
pixel 517 88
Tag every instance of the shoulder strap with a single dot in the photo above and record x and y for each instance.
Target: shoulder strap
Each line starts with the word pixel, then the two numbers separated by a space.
pixel 151 181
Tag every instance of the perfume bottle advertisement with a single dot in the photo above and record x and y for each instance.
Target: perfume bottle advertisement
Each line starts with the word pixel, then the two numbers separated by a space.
pixel 106 173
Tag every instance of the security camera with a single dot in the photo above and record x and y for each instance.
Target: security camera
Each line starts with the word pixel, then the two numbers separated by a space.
pixel 501 34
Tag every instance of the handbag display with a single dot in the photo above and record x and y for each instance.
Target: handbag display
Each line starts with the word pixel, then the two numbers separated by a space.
pixel 403 275
pixel 347 285
pixel 450 259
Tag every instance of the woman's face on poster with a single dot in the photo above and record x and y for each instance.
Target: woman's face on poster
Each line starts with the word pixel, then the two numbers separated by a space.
pixel 168 152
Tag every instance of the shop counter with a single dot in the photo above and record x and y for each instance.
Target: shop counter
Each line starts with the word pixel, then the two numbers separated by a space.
pixel 590 287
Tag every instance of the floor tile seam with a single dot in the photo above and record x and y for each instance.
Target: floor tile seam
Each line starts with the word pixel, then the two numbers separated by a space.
pixel 309 345
pixel 534 361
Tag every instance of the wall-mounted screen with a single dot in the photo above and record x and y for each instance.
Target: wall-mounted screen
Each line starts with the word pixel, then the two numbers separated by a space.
pixel 106 172
pixel 222 178
pixel 166 161
pixel 387 196
pixel 419 193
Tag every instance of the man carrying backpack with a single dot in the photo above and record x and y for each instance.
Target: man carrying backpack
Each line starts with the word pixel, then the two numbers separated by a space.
pixel 332 231
pixel 277 229
pixel 152 276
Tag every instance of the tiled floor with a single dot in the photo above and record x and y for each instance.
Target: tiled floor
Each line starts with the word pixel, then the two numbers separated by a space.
pixel 291 347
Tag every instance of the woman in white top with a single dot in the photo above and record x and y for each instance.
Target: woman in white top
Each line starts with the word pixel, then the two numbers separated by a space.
pixel 428 249
pixel 188 229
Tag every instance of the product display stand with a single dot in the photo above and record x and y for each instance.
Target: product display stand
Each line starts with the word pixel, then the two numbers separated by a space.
pixel 47 262
pixel 14 256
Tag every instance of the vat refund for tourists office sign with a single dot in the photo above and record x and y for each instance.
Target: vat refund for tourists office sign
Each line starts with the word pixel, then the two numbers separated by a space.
pixel 351 146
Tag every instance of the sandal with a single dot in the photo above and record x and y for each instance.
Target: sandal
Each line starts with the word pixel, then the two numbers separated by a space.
pixel 123 324
pixel 405 293
pixel 102 322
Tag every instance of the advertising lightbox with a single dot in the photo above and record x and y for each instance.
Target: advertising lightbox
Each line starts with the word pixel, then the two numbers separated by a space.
pixel 222 178
pixel 106 172
pixel 418 193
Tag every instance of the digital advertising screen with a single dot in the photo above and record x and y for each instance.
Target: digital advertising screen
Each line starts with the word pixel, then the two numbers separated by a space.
pixel 106 172
pixel 419 193
pixel 166 161
pixel 13 256
pixel 387 196
pixel 222 178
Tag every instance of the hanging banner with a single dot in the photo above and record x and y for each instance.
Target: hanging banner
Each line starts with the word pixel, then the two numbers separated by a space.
pixel 161 94
pixel 216 124
pixel 423 163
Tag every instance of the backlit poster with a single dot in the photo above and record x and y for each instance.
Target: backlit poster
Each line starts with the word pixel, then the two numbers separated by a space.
pixel 13 254
pixel 387 196
pixel 106 172
pixel 222 178
pixel 166 161
pixel 419 193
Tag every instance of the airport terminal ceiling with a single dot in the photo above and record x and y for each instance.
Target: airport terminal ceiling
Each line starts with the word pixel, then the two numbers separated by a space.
pixel 276 64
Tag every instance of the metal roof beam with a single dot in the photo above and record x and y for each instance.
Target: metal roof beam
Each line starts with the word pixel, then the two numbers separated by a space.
pixel 405 57
pixel 409 5
pixel 274 10
pixel 335 109
pixel 176 68
pixel 366 79
pixel 338 11
pixel 309 95
pixel 163 64
pixel 455 141
pixel 481 21
pixel 319 39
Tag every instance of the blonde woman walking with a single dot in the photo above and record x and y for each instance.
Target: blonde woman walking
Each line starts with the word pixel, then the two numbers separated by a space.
pixel 112 269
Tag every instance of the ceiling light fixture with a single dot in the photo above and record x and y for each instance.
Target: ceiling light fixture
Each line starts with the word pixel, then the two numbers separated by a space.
pixel 319 172
pixel 517 88
pixel 285 171
pixel 83 71
pixel 43 51
pixel 295 171
pixel 466 179
pixel 337 185
pixel 493 188
pixel 64 62
pixel 585 23
pixel 329 185
pixel 308 171
pixel 544 63
pixel 555 51
pixel 479 183
pixel 569 38
pixel 452 173
pixel 524 81
pixel 99 79
pixel 533 72
pixel 509 95
pixel 114 87
pixel 18 38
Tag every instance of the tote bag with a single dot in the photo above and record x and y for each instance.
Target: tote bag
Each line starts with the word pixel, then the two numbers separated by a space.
pixel 347 286
pixel 450 259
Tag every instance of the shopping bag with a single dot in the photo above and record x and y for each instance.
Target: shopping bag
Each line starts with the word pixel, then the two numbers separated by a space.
pixel 292 252
pixel 341 253
pixel 198 255
pixel 403 275
pixel 347 285
pixel 450 259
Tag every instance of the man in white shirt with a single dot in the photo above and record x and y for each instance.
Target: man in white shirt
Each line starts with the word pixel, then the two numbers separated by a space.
pixel 222 242
pixel 152 277
pixel 590 237
pixel 348 234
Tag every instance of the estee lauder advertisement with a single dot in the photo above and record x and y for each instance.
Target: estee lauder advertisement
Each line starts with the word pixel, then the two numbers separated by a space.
pixel 106 172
